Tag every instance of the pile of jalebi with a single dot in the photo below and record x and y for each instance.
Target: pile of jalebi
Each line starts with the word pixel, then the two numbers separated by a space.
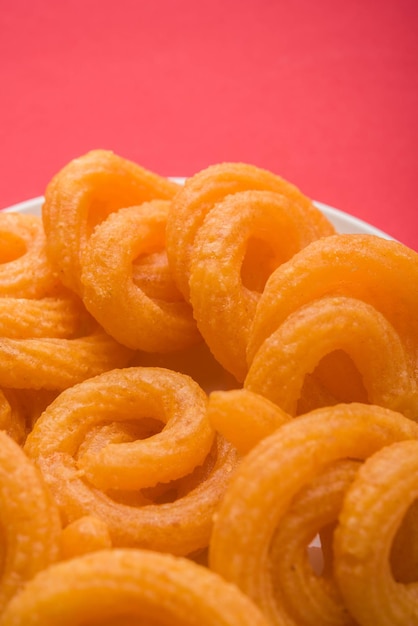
pixel 208 406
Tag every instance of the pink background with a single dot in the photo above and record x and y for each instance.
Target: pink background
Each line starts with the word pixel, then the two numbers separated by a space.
pixel 322 92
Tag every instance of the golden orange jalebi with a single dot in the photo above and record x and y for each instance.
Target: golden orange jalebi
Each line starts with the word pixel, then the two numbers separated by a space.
pixel 47 338
pixel 83 535
pixel 25 271
pixel 118 587
pixel 164 350
pixel 200 194
pixel 377 271
pixel 280 366
pixel 242 240
pixel 56 363
pixel 110 293
pixel 244 417
pixel 264 484
pixel 373 509
pixel 90 437
pixel 307 589
pixel 82 194
pixel 366 268
pixel 29 518
pixel 227 230
pixel 52 316
pixel 130 394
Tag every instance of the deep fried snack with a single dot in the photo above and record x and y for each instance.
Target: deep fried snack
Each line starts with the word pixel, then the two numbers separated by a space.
pixel 242 239
pixel 179 440
pixel 30 520
pixel 180 524
pixel 83 194
pixel 211 185
pixel 279 368
pixel 51 363
pixel 244 417
pixel 129 394
pixel 152 274
pixel 373 509
pixel 271 475
pixel 25 271
pixel 311 597
pixel 86 534
pixel 51 316
pixel 130 586
pixel 52 342
pixel 377 271
pixel 127 312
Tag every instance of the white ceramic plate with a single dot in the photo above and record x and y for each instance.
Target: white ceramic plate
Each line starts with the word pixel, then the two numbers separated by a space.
pixel 343 222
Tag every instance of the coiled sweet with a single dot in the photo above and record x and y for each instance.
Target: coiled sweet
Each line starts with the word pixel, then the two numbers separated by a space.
pixel 160 378
pixel 134 447
pixel 262 489
pixel 328 324
pixel 25 270
pixel 244 418
pixel 228 228
pixel 130 586
pixel 382 492
pixel 56 363
pixel 82 194
pixel 115 297
pixel 30 520
pixel 344 295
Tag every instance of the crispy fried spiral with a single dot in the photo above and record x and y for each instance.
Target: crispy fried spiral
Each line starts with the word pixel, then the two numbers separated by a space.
pixel 273 473
pixel 116 445
pixel 126 587
pixel 82 194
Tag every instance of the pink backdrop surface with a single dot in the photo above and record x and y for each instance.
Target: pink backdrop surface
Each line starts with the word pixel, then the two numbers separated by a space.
pixel 324 93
